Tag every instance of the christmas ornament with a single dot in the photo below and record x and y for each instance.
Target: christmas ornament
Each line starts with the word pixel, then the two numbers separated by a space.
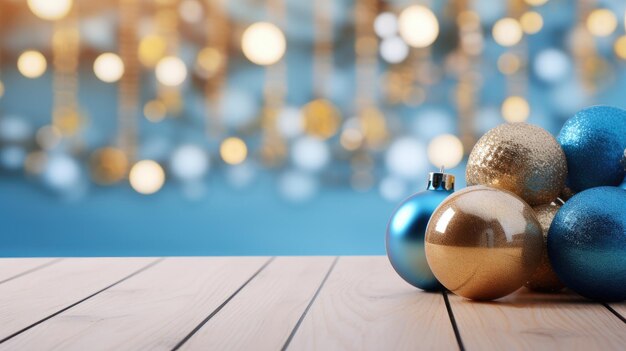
pixel 594 141
pixel 405 232
pixel 483 243
pixel 587 243
pixel 520 158
pixel 544 279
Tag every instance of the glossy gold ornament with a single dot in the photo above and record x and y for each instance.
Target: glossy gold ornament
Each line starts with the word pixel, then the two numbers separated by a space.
pixel 544 279
pixel 483 243
pixel 520 158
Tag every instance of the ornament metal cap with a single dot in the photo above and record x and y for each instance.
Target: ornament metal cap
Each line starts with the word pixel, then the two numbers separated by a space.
pixel 440 180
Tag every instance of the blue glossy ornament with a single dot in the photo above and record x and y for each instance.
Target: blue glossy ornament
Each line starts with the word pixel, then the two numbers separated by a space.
pixel 594 140
pixel 406 230
pixel 587 243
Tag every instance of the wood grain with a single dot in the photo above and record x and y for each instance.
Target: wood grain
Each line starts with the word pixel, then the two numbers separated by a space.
pixel 620 308
pixel 43 292
pixel 531 321
pixel 263 314
pixel 365 305
pixel 151 311
pixel 11 268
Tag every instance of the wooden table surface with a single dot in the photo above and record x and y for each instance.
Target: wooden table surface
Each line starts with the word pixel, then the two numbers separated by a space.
pixel 276 303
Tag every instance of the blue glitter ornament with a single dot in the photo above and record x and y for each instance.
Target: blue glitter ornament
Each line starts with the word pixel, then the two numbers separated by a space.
pixel 587 243
pixel 406 229
pixel 594 140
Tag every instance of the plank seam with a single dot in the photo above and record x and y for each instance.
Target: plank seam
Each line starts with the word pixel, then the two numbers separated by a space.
pixel 219 308
pixel 151 264
pixel 455 327
pixel 36 268
pixel 308 307
pixel 617 314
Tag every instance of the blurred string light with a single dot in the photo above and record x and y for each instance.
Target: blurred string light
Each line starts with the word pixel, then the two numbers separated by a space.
pixel 108 67
pixel 32 64
pixel 515 109
pixel 386 25
pixel 233 150
pixel 507 32
pixel 146 177
pixel 50 9
pixel 263 43
pixel 418 26
pixel 445 150
pixel 531 22
pixel 171 71
pixel 601 22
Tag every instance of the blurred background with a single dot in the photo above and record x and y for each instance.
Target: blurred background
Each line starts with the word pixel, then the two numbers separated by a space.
pixel 269 127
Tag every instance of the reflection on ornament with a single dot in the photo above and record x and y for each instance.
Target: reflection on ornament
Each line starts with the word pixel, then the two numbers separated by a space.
pixel 544 278
pixel 321 118
pixel 531 22
pixel 483 243
pixel 233 150
pixel 507 32
pixel 393 49
pixel 386 25
pixel 515 109
pixel 151 50
pixel 108 165
pixel 310 154
pixel 508 63
pixel 445 151
pixel 263 43
pixel 108 67
pixel 418 26
pixel 601 22
pixel 154 110
pixel 31 64
pixel 171 71
pixel 189 162
pixel 521 158
pixel 146 177
pixel 404 158
pixel 50 9
pixel 587 244
pixel 208 62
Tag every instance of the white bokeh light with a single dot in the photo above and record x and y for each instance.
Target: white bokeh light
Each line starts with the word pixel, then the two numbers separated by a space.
pixel 406 158
pixel 392 188
pixel 108 67
pixel 418 26
pixel 189 162
pixel 445 150
pixel 552 65
pixel 50 9
pixel 393 50
pixel 61 172
pixel 297 186
pixel 386 25
pixel 310 154
pixel 171 71
pixel 146 177
pixel 263 43
pixel 290 122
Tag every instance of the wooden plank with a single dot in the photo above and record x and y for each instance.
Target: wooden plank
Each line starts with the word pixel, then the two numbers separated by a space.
pixel 531 321
pixel 620 309
pixel 263 314
pixel 35 296
pixel 11 268
pixel 365 305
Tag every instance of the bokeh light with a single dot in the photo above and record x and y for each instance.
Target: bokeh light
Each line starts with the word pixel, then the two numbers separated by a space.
pixel 263 43
pixel 351 139
pixel 321 118
pixel 14 129
pixel 48 137
pixel 146 177
pixel 155 111
pixel 386 25
pixel 509 63
pixel 531 22
pixel 191 11
pixel 552 65
pixel 209 61
pixel 393 49
pixel 620 47
pixel 536 2
pixel 50 9
pixel 507 32
pixel 1 89
pixel 108 165
pixel 601 22
pixel 515 109
pixel 233 150
pixel 61 172
pixel 151 50
pixel 171 71
pixel 290 122
pixel 405 158
pixel 32 64
pixel 392 188
pixel 310 154
pixel 445 150
pixel 189 162
pixel 297 186
pixel 418 26
pixel 108 67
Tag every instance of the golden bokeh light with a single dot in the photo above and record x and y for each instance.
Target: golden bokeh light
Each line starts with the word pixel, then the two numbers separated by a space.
pixel 108 67
pixel 374 127
pixel 263 43
pixel 1 89
pixel 531 22
pixel 515 109
pixel 509 63
pixel 50 9
pixel 233 150
pixel 151 50
pixel 32 64
pixel 321 118
pixel 351 139
pixel 108 165
pixel 507 32
pixel 171 71
pixel 155 111
pixel 146 177
pixel 445 150
pixel 620 47
pixel 601 22
pixel 418 26
pixel 209 61
pixel 536 2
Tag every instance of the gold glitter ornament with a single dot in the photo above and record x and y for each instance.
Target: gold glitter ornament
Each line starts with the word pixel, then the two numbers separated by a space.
pixel 483 243
pixel 521 158
pixel 544 279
